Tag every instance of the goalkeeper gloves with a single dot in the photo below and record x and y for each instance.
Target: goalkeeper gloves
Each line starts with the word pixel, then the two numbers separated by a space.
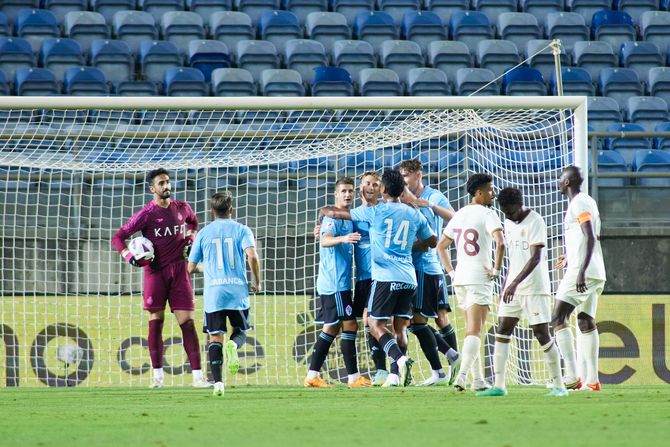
pixel 137 262
pixel 187 248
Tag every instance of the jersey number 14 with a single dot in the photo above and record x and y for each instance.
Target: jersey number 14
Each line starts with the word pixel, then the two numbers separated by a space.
pixel 400 237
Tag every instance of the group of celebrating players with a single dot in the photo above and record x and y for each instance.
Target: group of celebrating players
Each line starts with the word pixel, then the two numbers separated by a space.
pixel 400 279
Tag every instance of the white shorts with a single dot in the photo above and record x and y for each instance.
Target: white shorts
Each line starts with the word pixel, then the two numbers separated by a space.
pixel 536 308
pixel 468 295
pixel 586 302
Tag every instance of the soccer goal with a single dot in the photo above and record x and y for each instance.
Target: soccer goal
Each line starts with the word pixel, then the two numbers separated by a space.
pixel 72 172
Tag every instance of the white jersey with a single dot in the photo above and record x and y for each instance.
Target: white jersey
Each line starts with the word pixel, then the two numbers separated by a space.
pixel 581 209
pixel 519 237
pixel 471 229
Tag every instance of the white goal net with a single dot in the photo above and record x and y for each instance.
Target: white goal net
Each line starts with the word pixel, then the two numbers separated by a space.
pixel 72 172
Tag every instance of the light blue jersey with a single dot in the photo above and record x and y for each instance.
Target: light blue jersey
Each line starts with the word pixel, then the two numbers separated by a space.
pixel 362 252
pixel 393 228
pixel 220 247
pixel 335 263
pixel 428 262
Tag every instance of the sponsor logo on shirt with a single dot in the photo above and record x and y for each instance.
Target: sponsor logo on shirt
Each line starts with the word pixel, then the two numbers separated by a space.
pixel 170 231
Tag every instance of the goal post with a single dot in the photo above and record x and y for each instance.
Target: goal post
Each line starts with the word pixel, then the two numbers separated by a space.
pixel 72 172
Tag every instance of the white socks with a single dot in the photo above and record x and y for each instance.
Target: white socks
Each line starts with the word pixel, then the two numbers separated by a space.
pixel 158 374
pixel 312 374
pixel 353 377
pixel 553 360
pixel 501 353
pixel 591 346
pixel 470 352
pixel 566 343
pixel 197 374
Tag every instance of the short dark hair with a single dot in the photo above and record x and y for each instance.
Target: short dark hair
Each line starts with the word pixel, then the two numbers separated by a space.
pixel 476 182
pixel 151 175
pixel 344 181
pixel 575 175
pixel 394 183
pixel 412 165
pixel 222 203
pixel 510 196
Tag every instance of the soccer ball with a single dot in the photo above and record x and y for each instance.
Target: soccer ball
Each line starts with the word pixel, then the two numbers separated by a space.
pixel 141 248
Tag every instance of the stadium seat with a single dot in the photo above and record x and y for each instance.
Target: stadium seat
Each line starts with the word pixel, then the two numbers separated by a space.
pixel 134 27
pixel 655 27
pixel 256 8
pixel 646 111
pixel 354 56
pixel 594 57
pixel 85 27
pixel 362 161
pixel 445 8
pixel 652 161
pixel 497 55
pixel 614 27
pixel 205 8
pixel 110 7
pixel 85 81
pixel 518 27
pixel 352 8
pixel 475 81
pixel 541 57
pixel 181 27
pixel 185 82
pixel 114 58
pixel 282 82
pixel 332 81
pixel 157 56
pixel 541 8
pixel 36 82
pixel 470 27
pixel 233 82
pixel 398 8
pixel 230 27
pixel 4 25
pixel 60 8
pixel 524 81
pixel 576 82
pixel 611 161
pixel 569 27
pixel 626 146
pixel 279 27
pixel 207 56
pixel 327 28
pixel 659 82
pixel 379 82
pixel 619 84
pixel 375 27
pixel 662 143
pixel 60 54
pixel 34 25
pixel 449 56
pixel 641 56
pixel 302 8
pixel 602 111
pixel 428 82
pixel 15 53
pixel 4 86
pixel 11 8
pixel 256 56
pixel 423 27
pixel 586 8
pixel 303 55
pixel 635 8
pixel 159 7
pixel 493 8
pixel 401 56
pixel 136 88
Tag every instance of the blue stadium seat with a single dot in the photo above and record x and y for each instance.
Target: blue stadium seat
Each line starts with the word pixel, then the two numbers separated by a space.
pixel 303 55
pixel 159 7
pixel 379 82
pixel 352 8
pixel 652 161
pixel 256 56
pixel 659 83
pixel 279 27
pixel 114 58
pixel 110 7
pixel 401 56
pixel 594 57
pixel 449 56
pixel 641 56
pixel 85 27
pixel 493 8
pixel 136 88
pixel 185 82
pixel 447 7
pixel 662 143
pixel 15 53
pixel 635 8
pixel 524 81
pixel 619 84
pixel 518 27
pixel 470 27
pixel 497 55
pixel 85 81
pixel 4 25
pixel 233 82
pixel 60 54
pixel 205 8
pixel 134 27
pixel 207 56
pixel 332 81
pixel 647 111
pixel 540 8
pixel 626 147
pixel 423 27
pixel 375 27
pixel 36 82
pixel 586 8
pixel 576 82
pixel 282 82
pixel 398 8
pixel 354 56
pixel 569 27
pixel 655 27
pixel 361 162
pixel 540 57
pixel 11 7
pixel 256 8
pixel 181 27
pixel 602 111
pixel 428 82
pixel 34 25
pixel 475 81
pixel 4 86
pixel 60 8
pixel 611 161
pixel 327 28
pixel 157 56
pixel 230 27
pixel 302 8
pixel 614 27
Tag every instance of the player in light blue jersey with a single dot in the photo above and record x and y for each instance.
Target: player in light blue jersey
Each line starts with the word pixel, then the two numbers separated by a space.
pixel 333 285
pixel 222 247
pixel 393 228
pixel 431 295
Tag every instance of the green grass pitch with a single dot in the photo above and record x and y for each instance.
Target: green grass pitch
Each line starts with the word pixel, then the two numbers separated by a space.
pixel 291 416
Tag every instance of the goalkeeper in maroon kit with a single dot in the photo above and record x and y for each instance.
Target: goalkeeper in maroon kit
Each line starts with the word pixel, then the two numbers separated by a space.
pixel 171 226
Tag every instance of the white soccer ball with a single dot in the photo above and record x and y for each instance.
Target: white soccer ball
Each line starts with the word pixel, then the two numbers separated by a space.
pixel 141 248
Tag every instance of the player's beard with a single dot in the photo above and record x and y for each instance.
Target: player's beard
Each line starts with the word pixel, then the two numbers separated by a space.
pixel 164 195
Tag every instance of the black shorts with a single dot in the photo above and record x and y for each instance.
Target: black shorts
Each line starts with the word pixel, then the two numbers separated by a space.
pixel 431 295
pixel 215 322
pixel 391 299
pixel 335 308
pixel 361 296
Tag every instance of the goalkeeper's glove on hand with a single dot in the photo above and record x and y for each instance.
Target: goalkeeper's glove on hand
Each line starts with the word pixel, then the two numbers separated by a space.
pixel 187 248
pixel 137 262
